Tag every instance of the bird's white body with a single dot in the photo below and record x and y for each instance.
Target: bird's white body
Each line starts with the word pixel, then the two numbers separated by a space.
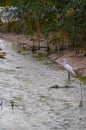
pixel 68 68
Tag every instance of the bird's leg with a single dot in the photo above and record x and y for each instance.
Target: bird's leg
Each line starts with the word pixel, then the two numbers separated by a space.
pixel 12 104
pixel 68 75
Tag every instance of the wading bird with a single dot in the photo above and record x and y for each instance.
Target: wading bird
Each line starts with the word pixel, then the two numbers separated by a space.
pixel 68 68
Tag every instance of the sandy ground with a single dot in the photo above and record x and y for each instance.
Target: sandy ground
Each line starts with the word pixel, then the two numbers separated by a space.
pixel 78 62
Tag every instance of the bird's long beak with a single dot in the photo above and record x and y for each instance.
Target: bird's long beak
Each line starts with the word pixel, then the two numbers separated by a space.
pixel 61 61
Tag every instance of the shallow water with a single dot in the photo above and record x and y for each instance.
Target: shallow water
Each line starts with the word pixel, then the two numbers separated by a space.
pixel 27 82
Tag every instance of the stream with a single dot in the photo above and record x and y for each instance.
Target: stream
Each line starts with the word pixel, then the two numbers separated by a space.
pixel 28 82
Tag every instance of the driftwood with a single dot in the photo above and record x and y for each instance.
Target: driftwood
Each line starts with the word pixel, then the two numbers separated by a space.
pixel 57 87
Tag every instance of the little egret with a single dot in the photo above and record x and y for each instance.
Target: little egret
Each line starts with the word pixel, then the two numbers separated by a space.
pixel 68 68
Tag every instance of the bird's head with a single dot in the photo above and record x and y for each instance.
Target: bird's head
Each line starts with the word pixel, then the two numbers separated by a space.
pixel 63 61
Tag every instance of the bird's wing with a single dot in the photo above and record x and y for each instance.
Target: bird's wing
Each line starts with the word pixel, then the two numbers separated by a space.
pixel 69 69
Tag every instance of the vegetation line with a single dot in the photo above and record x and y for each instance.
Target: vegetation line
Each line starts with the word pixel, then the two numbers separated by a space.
pixel 61 23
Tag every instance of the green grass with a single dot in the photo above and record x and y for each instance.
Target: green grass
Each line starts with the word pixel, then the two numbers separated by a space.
pixel 81 77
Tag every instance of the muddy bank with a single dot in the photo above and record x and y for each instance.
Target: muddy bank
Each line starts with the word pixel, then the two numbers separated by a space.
pixel 22 39
pixel 77 62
